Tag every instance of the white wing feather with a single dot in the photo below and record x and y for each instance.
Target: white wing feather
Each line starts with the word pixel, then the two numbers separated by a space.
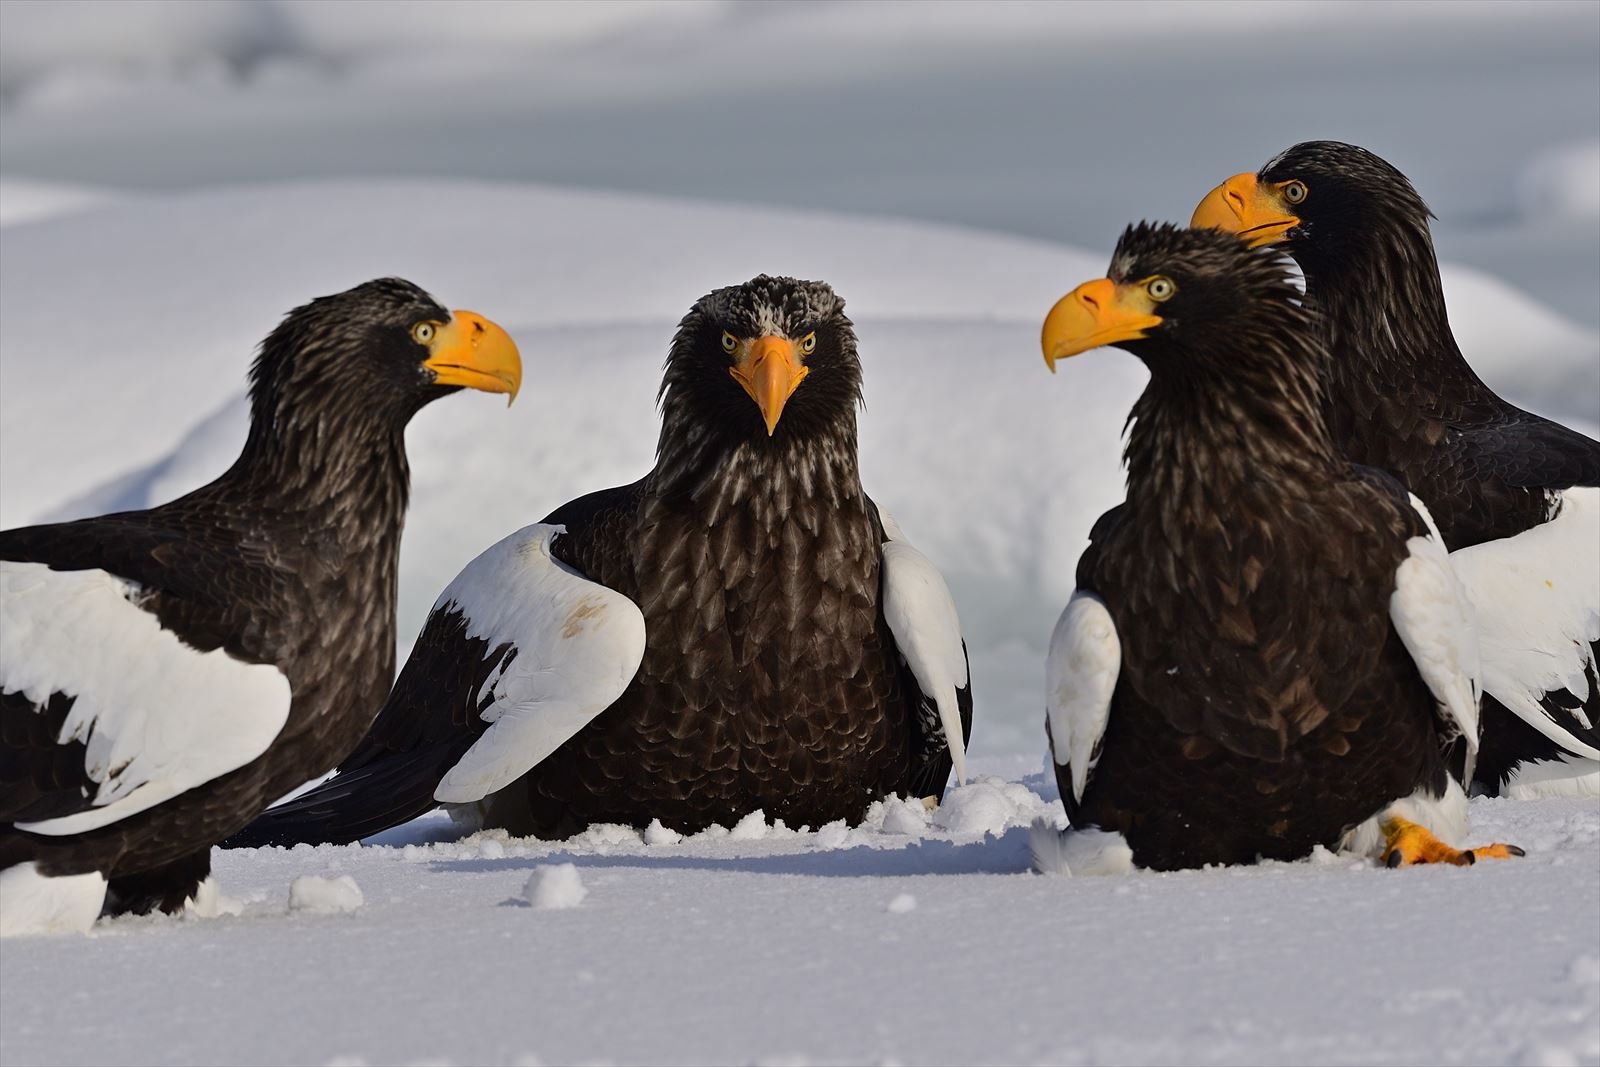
pixel 1434 618
pixel 156 716
pixel 578 646
pixel 921 615
pixel 1538 602
pixel 1080 678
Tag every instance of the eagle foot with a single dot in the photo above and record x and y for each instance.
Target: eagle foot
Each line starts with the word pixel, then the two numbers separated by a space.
pixel 930 804
pixel 1409 843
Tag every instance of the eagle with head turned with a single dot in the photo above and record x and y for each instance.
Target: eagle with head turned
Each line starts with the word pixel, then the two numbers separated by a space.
pixel 743 628
pixel 1267 650
pixel 1516 496
pixel 166 674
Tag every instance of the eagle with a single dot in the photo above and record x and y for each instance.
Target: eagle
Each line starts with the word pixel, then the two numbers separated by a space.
pixel 1516 496
pixel 166 674
pixel 741 629
pixel 1267 649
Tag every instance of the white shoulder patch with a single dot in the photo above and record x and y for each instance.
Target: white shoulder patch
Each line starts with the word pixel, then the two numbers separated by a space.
pixel 1080 677
pixel 578 646
pixel 1538 602
pixel 157 717
pixel 921 615
pixel 1431 613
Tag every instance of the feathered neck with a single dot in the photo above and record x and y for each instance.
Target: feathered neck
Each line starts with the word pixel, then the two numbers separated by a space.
pixel 1387 328
pixel 331 454
pixel 1204 427
pixel 711 470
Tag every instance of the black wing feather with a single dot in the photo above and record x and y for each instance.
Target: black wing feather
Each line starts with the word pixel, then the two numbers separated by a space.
pixel 1531 453
pixel 432 716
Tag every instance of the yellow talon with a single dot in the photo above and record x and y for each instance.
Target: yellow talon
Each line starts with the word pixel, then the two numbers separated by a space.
pixel 1408 843
pixel 930 803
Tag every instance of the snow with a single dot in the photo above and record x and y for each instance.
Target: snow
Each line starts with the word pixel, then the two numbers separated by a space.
pixel 179 175
pixel 27 201
pixel 790 948
pixel 325 896
pixel 555 888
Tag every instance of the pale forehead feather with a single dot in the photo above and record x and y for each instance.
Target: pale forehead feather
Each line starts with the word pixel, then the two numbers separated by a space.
pixel 774 306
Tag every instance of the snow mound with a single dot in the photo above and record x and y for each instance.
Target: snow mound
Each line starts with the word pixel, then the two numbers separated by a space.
pixel 209 902
pixel 1561 182
pixel 987 805
pixel 902 904
pixel 313 893
pixel 555 887
pixel 29 201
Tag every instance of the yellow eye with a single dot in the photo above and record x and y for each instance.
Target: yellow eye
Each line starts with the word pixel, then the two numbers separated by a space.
pixel 1295 192
pixel 423 332
pixel 1160 288
pixel 729 342
pixel 808 343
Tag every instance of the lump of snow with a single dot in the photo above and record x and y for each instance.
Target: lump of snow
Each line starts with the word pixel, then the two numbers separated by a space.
pixel 209 903
pixel 1585 970
pixel 656 834
pixel 557 885
pixel 752 827
pixel 606 835
pixel 905 817
pixel 833 835
pixel 986 805
pixel 903 903
pixel 326 895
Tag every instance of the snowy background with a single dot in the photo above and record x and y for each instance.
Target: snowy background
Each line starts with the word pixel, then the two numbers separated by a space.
pixel 175 176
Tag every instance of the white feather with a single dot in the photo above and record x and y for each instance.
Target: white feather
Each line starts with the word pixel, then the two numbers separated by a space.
pixel 1538 604
pixel 32 903
pixel 156 716
pixel 1564 776
pixel 1431 613
pixel 1078 852
pixel 578 646
pixel 921 615
pixel 1443 816
pixel 1080 677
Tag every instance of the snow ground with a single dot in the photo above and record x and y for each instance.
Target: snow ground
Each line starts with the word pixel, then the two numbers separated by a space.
pixel 766 946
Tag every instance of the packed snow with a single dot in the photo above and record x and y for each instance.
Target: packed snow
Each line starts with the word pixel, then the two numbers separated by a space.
pixel 554 887
pixel 177 176
pixel 312 892
pixel 862 945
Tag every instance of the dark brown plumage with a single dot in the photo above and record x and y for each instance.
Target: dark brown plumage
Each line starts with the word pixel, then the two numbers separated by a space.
pixel 1399 395
pixel 770 678
pixel 288 559
pixel 1265 703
